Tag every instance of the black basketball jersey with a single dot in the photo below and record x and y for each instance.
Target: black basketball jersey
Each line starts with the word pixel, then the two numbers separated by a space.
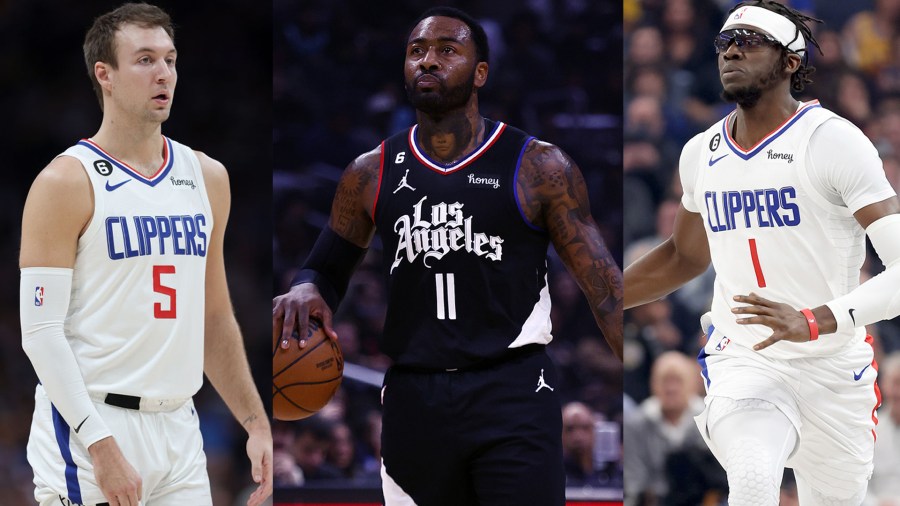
pixel 467 274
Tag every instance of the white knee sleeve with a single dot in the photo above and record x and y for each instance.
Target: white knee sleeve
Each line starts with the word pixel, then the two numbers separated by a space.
pixel 754 440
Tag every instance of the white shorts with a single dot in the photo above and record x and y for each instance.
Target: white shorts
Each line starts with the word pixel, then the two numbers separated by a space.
pixel 831 401
pixel 165 448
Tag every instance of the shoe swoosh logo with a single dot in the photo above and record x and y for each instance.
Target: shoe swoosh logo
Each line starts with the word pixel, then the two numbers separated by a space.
pixel 851 316
pixel 111 187
pixel 85 418
pixel 713 162
pixel 856 377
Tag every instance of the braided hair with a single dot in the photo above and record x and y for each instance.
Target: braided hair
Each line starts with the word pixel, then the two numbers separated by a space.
pixel 800 78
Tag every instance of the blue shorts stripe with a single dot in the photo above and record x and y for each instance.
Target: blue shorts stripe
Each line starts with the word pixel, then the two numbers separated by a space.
pixel 62 439
pixel 701 357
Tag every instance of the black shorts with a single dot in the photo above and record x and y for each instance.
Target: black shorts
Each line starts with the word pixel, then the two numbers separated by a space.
pixel 490 436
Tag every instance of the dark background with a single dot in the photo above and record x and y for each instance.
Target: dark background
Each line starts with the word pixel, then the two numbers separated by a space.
pixel 222 107
pixel 555 72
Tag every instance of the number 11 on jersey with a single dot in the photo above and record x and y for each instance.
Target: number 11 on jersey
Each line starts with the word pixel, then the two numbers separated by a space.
pixel 446 296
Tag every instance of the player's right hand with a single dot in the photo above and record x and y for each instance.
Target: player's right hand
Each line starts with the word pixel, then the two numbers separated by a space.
pixel 117 479
pixel 291 312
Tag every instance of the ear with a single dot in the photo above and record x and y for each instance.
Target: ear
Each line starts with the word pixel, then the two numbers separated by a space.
pixel 481 74
pixel 794 61
pixel 102 73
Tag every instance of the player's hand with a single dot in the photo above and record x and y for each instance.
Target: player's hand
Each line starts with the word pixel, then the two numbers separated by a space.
pixel 119 482
pixel 787 323
pixel 291 312
pixel 259 449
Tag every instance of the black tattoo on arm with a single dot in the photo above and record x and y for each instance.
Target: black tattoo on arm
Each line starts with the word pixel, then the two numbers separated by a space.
pixel 553 195
pixel 351 210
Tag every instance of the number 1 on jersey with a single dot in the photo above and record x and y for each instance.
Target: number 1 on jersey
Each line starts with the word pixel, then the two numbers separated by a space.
pixel 158 287
pixel 754 256
pixel 445 311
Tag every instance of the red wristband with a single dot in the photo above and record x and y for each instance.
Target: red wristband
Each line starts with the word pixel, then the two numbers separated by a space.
pixel 811 321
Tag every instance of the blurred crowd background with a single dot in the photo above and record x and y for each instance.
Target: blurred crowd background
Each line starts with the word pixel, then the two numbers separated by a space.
pixel 555 72
pixel 222 107
pixel 672 93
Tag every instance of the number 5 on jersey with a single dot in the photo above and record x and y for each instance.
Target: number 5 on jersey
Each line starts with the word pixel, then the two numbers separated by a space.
pixel 159 287
pixel 446 296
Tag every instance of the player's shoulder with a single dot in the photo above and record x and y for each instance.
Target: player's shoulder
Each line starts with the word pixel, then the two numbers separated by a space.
pixel 64 174
pixel 215 175
pixel 367 165
pixel 542 155
pixel 835 131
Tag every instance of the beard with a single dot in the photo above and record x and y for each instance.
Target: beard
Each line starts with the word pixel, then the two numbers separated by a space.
pixel 441 99
pixel 748 96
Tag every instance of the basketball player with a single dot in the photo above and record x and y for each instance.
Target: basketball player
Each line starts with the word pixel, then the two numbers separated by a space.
pixel 465 208
pixel 124 301
pixel 779 195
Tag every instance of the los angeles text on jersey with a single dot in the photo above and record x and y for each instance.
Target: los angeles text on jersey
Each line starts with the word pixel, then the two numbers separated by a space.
pixel 768 207
pixel 448 230
pixel 156 235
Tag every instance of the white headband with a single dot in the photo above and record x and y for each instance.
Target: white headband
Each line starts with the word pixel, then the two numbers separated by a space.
pixel 776 25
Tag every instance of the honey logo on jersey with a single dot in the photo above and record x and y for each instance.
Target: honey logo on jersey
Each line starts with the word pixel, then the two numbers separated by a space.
pixel 182 183
pixel 772 155
pixel 486 181
pixel 442 230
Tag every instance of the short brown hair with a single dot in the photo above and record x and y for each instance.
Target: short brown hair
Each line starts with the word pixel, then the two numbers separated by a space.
pixel 100 40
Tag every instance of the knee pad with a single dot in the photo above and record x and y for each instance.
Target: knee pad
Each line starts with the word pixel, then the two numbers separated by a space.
pixel 754 439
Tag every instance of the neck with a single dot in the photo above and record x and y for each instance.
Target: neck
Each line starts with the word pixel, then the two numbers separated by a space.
pixel 139 144
pixel 672 416
pixel 752 124
pixel 453 135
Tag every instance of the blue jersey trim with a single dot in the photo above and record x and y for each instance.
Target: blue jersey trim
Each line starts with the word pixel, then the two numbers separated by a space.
pixel 128 170
pixel 515 196
pixel 784 128
pixel 62 439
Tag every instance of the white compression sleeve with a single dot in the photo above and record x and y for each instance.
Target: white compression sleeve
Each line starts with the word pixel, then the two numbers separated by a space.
pixel 44 294
pixel 878 298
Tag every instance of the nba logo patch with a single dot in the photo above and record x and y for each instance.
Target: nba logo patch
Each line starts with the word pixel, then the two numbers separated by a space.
pixel 723 343
pixel 39 296
pixel 739 14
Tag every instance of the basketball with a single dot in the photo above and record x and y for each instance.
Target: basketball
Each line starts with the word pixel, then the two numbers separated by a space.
pixel 304 380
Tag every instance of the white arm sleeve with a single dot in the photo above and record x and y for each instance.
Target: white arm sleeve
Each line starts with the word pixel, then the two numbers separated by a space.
pixel 44 294
pixel 879 297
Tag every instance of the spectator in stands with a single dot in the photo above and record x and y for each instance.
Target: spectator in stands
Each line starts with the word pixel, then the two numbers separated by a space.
pixel 661 426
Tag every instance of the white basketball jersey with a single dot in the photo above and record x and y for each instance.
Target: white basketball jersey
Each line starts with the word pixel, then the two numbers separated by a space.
pixel 770 230
pixel 135 321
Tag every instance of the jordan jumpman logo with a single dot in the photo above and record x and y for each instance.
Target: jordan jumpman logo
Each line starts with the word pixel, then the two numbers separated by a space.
pixel 404 184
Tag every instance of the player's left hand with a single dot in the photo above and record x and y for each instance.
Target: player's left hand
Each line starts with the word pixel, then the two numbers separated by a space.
pixel 259 449
pixel 787 323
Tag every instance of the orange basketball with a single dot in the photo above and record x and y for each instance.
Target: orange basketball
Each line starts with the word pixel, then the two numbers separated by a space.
pixel 304 380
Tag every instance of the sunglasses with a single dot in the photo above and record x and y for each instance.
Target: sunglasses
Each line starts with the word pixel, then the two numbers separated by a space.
pixel 745 40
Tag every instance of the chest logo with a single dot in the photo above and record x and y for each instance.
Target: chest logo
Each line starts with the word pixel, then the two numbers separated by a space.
pixel 185 183
pixel 714 142
pixel 433 231
pixel 771 155
pixel 716 160
pixel 487 182
pixel 403 182
pixel 113 187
